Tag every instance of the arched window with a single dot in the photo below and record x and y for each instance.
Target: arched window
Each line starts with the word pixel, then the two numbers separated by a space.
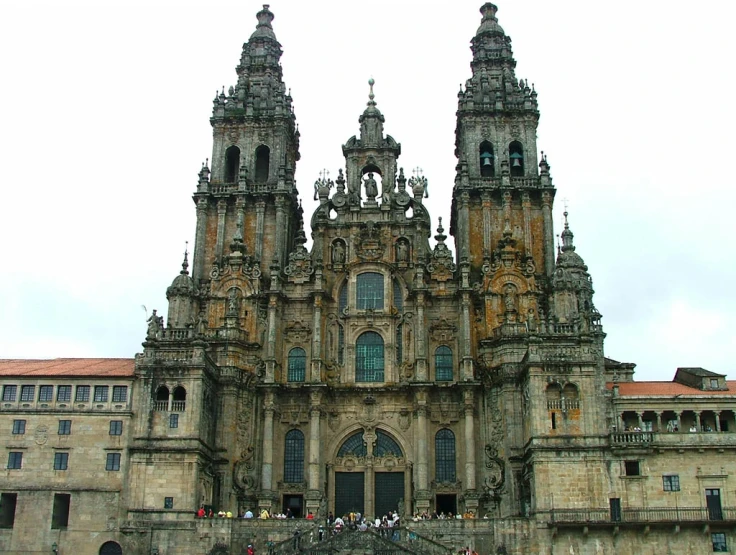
pixel 263 155
pixel 398 296
pixel 294 457
pixel 486 159
pixel 444 456
pixel 297 365
pixel 179 401
pixel 111 548
pixel 370 291
pixel 162 393
pixel 516 158
pixel 385 445
pixel 354 445
pixel 342 301
pixel 443 364
pixel 369 358
pixel 232 162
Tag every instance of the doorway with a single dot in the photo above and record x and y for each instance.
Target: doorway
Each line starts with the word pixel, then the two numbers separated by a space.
pixel 349 493
pixel 446 503
pixel 294 503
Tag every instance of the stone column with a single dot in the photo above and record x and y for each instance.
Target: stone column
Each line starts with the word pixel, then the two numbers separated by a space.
pixel 659 421
pixel 200 239
pixel 260 214
pixel 316 340
pixel 221 212
pixel 486 201
pixel 697 421
pixel 463 239
pixel 549 239
pixel 422 460
pixel 422 371
pixel 271 340
pixel 640 415
pixel 467 367
pixel 468 413
pixel 314 493
pixel 269 412
pixel 282 225
pixel 526 205
pixel 679 421
pixel 717 414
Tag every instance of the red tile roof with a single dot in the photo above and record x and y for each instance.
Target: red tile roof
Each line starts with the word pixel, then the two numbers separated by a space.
pixel 68 367
pixel 669 389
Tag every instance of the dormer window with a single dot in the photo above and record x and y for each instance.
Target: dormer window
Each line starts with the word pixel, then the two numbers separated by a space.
pixel 516 159
pixel 714 383
pixel 486 159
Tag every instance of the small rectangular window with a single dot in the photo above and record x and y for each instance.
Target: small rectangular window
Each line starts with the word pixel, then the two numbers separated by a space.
pixel 632 468
pixel 82 395
pixel 119 393
pixel 46 393
pixel 168 502
pixel 15 460
pixel 19 427
pixel 60 515
pixel 671 482
pixel 64 393
pixel 714 383
pixel 7 509
pixel 116 427
pixel 65 427
pixel 61 461
pixel 10 392
pixel 27 392
pixel 719 542
pixel 113 462
pixel 101 393
pixel 173 421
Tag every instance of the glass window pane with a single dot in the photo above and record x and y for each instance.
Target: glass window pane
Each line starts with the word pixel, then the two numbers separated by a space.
pixel 444 451
pixel 297 365
pixel 369 358
pixel 443 364
pixel 294 457
pixel 64 393
pixel 119 393
pixel 101 393
pixel 370 291
pixel 9 392
pixel 82 394
pixel 354 445
pixel 27 392
pixel 46 393
pixel 385 445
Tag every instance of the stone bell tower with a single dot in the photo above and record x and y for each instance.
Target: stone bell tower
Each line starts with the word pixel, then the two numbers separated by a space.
pixel 248 204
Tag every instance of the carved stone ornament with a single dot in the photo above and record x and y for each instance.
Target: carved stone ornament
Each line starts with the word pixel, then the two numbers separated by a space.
pixel 296 332
pixel 441 265
pixel 441 330
pixel 299 268
pixel 368 244
pixel 495 471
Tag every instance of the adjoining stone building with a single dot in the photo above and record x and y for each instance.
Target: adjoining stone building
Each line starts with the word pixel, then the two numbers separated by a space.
pixel 375 371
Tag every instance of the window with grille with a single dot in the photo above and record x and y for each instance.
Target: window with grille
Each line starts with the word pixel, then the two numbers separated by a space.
pixel 444 452
pixel 64 393
pixel 718 539
pixel 61 461
pixel 168 502
pixel 119 393
pixel 297 365
pixel 342 301
pixel 385 445
pixel 399 343
pixel 369 358
pixel 173 420
pixel 294 457
pixel 82 395
pixel 113 462
pixel 15 460
pixel 116 427
pixel 19 427
pixel 65 427
pixel 398 296
pixel 443 364
pixel 46 393
pixel 102 393
pixel 27 392
pixel 631 468
pixel 354 445
pixel 369 291
pixel 10 392
pixel 671 482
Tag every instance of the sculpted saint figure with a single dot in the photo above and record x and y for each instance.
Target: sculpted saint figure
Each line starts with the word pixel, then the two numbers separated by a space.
pixel 371 187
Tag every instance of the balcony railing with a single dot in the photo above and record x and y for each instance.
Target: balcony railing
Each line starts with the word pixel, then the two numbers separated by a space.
pixel 674 515
pixel 632 438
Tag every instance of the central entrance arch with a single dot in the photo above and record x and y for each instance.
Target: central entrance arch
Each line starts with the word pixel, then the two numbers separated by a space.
pixel 370 475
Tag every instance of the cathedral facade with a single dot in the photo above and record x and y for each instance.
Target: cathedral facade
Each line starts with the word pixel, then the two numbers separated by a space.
pixel 400 364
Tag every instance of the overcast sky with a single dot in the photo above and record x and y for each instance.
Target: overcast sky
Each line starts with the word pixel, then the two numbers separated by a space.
pixel 104 124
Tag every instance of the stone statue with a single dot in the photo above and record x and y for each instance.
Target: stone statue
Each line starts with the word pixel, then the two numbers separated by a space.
pixel 155 326
pixel 402 251
pixel 371 187
pixel 353 192
pixel 232 303
pixel 509 298
pixel 338 253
